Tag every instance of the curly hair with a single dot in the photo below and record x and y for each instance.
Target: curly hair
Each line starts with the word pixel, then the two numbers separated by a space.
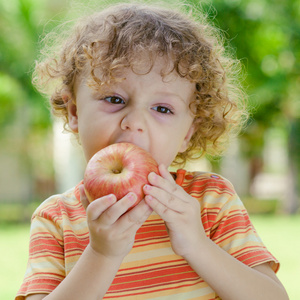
pixel 122 35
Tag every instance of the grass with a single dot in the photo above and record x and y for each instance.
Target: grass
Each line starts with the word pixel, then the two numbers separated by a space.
pixel 13 259
pixel 281 236
pixel 279 233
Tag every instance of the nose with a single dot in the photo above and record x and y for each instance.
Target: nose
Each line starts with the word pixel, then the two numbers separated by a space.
pixel 133 121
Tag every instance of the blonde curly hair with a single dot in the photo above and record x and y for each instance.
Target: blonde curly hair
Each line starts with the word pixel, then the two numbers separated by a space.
pixel 113 39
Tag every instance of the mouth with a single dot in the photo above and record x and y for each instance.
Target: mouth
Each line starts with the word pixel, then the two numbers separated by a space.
pixel 130 142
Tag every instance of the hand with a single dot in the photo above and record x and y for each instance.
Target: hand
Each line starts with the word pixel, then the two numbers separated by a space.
pixel 113 228
pixel 180 211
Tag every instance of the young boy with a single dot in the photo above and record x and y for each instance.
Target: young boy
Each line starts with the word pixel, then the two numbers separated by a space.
pixel 160 80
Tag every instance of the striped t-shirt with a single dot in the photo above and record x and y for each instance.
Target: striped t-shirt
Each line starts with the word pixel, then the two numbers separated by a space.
pixel 59 235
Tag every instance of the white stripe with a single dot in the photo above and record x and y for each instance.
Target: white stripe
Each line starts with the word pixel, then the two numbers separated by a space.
pixel 149 254
pixel 189 295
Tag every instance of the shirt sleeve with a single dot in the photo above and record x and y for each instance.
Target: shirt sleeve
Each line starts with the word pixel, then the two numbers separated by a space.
pixel 233 231
pixel 45 267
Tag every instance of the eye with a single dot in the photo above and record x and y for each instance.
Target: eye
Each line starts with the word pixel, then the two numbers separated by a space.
pixel 114 100
pixel 163 109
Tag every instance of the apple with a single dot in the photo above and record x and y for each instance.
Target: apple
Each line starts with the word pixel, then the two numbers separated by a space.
pixel 118 169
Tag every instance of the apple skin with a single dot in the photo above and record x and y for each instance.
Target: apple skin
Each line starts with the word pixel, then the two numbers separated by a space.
pixel 118 169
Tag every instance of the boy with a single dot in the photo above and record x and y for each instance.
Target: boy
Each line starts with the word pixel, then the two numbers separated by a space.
pixel 160 80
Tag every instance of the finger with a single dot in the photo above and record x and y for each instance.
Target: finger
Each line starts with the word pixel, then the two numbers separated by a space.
pixel 168 200
pixel 164 180
pixel 96 208
pixel 166 184
pixel 83 198
pixel 135 217
pixel 164 172
pixel 162 210
pixel 113 213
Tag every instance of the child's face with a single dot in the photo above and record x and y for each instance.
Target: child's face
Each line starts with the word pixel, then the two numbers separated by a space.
pixel 143 109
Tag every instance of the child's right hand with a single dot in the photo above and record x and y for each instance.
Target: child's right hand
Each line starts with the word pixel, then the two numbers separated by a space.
pixel 112 229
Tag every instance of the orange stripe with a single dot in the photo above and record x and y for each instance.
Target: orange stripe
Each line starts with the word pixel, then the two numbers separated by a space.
pixel 223 218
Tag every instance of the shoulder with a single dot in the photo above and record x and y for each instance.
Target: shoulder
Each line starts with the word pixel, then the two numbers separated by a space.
pixel 214 192
pixel 206 182
pixel 60 205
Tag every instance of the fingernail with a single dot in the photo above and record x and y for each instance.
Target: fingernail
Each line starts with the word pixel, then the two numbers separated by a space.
pixel 131 197
pixel 147 187
pixel 153 175
pixel 111 196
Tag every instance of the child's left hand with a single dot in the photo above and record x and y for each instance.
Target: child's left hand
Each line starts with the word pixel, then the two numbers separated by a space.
pixel 180 211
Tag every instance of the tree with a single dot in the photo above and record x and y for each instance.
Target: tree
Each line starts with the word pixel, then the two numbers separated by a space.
pixel 265 35
pixel 24 117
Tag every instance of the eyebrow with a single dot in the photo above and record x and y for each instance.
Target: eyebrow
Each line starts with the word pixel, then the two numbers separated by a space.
pixel 173 95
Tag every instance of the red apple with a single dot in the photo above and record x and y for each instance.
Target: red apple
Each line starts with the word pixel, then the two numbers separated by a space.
pixel 118 169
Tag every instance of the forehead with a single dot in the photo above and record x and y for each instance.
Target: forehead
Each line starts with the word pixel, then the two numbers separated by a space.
pixel 160 73
pixel 139 65
pixel 145 69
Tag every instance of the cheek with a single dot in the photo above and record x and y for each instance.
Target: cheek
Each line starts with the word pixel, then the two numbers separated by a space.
pixel 165 152
pixel 88 138
pixel 167 144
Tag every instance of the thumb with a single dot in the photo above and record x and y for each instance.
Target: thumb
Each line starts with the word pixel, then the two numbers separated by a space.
pixel 83 198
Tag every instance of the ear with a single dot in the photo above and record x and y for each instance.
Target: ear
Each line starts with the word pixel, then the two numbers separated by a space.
pixel 71 108
pixel 187 138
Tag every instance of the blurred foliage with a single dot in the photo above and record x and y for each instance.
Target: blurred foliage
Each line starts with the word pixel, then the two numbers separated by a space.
pixel 264 34
pixel 25 131
pixel 21 24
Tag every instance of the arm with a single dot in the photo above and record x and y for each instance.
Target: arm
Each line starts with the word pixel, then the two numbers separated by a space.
pixel 112 233
pixel 83 280
pixel 230 278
